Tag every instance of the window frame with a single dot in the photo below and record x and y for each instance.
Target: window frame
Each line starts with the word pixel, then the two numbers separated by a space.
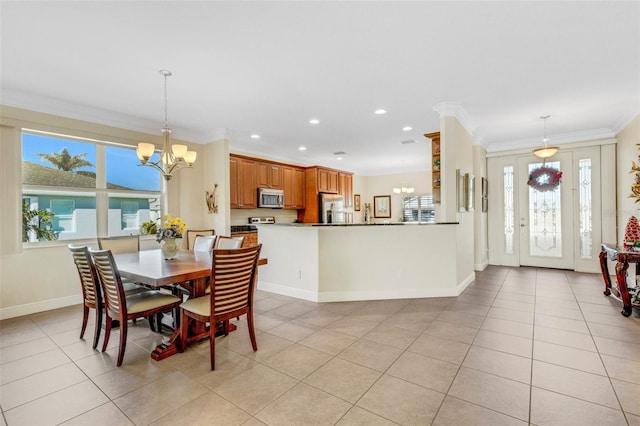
pixel 100 192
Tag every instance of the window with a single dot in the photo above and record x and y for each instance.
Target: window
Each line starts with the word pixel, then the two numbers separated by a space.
pixel 418 208
pixel 69 176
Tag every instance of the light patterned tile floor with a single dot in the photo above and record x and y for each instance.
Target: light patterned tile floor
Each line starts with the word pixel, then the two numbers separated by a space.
pixel 540 347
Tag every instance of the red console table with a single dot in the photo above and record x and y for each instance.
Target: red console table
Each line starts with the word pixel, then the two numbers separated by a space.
pixel 624 257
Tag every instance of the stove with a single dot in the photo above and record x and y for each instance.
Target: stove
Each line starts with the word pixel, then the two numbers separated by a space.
pixel 262 220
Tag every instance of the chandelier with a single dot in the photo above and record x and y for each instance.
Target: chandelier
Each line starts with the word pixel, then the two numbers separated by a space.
pixel 403 190
pixel 546 151
pixel 173 157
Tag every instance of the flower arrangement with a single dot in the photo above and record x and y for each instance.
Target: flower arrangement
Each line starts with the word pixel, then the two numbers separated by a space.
pixel 545 178
pixel 635 186
pixel 171 227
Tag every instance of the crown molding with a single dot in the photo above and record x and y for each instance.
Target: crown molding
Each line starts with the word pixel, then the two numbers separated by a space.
pixel 47 105
pixel 455 109
pixel 625 119
pixel 557 139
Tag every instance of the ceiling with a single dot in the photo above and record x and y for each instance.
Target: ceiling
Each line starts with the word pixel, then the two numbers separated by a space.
pixel 267 68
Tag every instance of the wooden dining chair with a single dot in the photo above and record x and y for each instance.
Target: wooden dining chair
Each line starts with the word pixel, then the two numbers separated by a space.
pixel 233 274
pixel 125 244
pixel 119 307
pixel 91 293
pixel 224 242
pixel 192 233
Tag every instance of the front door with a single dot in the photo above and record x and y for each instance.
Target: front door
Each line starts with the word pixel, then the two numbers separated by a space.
pixel 546 215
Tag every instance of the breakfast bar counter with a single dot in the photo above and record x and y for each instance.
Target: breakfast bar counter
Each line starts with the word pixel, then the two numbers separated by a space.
pixel 326 263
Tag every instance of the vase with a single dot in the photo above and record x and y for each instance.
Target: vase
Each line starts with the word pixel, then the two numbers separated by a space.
pixel 171 247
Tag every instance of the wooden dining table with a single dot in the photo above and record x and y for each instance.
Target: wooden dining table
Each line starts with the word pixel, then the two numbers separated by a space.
pixel 191 269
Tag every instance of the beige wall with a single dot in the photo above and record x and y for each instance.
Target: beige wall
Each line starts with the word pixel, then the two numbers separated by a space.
pixel 627 151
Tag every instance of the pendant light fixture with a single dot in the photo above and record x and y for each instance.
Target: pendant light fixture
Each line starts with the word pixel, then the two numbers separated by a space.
pixel 546 151
pixel 173 157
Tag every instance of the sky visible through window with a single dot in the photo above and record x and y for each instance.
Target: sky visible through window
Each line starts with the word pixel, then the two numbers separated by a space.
pixel 121 163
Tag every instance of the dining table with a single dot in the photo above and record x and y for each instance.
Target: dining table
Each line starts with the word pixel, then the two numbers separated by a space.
pixel 191 269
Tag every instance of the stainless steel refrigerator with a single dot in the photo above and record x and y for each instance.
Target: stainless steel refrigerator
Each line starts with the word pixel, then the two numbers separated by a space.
pixel 331 208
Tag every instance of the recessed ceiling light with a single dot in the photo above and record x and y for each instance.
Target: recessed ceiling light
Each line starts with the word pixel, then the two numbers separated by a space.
pixel 302 148
pixel 407 128
pixel 314 121
pixel 255 136
pixel 381 111
pixel 338 158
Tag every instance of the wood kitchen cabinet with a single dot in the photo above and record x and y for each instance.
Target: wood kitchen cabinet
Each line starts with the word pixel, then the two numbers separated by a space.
pixel 269 175
pixel 242 183
pixel 327 180
pixel 322 179
pixel 345 181
pixel 293 186
pixel 250 238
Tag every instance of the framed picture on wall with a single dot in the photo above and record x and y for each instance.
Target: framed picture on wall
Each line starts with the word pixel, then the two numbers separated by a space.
pixel 382 206
pixel 469 190
pixel 460 192
pixel 485 197
pixel 356 202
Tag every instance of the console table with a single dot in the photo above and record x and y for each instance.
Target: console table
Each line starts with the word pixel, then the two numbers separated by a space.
pixel 625 256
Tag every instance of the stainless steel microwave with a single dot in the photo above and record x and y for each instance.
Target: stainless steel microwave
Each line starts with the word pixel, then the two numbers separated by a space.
pixel 270 198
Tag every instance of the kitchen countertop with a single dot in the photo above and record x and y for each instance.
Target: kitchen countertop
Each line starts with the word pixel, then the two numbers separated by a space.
pixel 243 229
pixel 360 224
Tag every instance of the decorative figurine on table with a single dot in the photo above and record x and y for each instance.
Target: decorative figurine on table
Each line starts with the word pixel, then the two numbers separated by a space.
pixel 367 213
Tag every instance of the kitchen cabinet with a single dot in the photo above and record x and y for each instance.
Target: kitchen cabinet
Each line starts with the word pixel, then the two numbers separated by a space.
pixel 269 175
pixel 345 181
pixel 436 165
pixel 321 179
pixel 293 186
pixel 250 238
pixel 327 180
pixel 242 183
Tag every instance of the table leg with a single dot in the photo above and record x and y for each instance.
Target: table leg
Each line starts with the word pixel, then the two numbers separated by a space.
pixel 605 273
pixel 197 330
pixel 621 276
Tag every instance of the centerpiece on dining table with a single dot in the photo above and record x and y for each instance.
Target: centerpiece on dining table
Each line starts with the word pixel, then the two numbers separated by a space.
pixel 170 233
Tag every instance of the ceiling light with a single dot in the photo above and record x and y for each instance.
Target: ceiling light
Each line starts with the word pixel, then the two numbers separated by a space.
pixel 172 158
pixel 302 148
pixel 314 121
pixel 407 128
pixel 255 136
pixel 338 158
pixel 546 151
pixel 381 111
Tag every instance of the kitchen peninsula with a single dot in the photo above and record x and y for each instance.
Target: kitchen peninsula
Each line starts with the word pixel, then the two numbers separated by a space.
pixel 327 263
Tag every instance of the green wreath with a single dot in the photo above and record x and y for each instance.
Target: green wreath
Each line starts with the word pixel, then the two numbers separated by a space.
pixel 544 179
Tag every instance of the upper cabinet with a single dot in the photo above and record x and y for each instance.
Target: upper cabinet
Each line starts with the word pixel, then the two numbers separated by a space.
pixel 242 183
pixel 345 188
pixel 293 186
pixel 269 175
pixel 327 180
pixel 436 163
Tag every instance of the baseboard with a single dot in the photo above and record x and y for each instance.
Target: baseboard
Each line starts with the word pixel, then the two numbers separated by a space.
pixel 35 307
pixel 349 296
pixel 288 291
pixel 465 283
pixel 482 266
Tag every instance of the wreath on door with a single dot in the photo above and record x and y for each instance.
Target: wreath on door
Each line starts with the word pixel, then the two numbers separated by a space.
pixel 544 179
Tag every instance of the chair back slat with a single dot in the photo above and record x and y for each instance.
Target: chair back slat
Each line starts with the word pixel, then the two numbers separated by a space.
pixel 117 245
pixel 110 280
pixel 233 276
pixel 87 273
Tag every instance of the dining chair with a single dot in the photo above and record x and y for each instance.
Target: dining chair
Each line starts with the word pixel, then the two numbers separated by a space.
pixel 192 233
pixel 119 307
pixel 204 242
pixel 125 244
pixel 233 274
pixel 91 293
pixel 224 242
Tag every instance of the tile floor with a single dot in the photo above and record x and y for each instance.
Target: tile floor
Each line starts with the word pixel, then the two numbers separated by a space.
pixel 519 346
